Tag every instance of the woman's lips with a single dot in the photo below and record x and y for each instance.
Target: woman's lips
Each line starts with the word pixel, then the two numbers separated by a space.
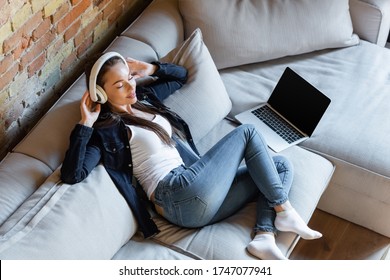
pixel 132 95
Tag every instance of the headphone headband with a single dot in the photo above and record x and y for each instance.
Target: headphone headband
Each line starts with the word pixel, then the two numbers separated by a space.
pixel 96 92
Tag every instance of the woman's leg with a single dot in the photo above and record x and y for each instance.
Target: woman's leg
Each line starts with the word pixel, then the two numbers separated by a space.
pixel 244 189
pixel 263 244
pixel 191 196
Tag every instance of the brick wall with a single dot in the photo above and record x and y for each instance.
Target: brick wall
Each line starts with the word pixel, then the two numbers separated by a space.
pixel 43 44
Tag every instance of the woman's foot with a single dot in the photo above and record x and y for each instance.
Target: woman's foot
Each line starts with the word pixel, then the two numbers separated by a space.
pixel 289 220
pixel 264 247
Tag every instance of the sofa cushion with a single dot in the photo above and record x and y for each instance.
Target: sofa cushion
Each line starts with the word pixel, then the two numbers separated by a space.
pixel 354 131
pixel 20 176
pixel 242 32
pixel 203 101
pixel 88 220
pixel 160 26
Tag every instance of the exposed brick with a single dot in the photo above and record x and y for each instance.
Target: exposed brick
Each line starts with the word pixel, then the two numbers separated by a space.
pixel 84 46
pixel 55 47
pixel 36 65
pixel 28 81
pixel 14 112
pixel 52 7
pixel 17 52
pixel 89 16
pixel 87 31
pixel 3 3
pixel 37 48
pixel 5 33
pixel 25 31
pixel 5 12
pixel 21 16
pixel 72 16
pixel 72 30
pixel 6 63
pixel 8 76
pixel 112 12
pixel 41 29
pixel 75 2
pixel 61 12
pixel 101 3
pixel 68 61
pixel 4 97
pixel 100 29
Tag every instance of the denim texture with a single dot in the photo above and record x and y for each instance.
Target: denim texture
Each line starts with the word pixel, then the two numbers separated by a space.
pixel 217 185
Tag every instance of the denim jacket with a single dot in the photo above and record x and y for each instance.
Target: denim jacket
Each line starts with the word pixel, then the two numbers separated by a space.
pixel 110 145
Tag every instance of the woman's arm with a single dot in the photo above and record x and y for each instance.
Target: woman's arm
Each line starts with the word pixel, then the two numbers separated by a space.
pixel 82 155
pixel 170 76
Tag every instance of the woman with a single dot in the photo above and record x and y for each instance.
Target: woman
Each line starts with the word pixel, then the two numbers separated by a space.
pixel 133 134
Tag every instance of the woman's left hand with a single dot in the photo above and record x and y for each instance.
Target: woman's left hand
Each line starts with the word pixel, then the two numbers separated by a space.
pixel 139 69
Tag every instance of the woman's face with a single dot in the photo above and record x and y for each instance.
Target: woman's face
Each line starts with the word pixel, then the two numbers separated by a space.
pixel 119 86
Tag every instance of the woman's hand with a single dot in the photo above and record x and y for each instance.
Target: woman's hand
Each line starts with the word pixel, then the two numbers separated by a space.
pixel 89 110
pixel 139 69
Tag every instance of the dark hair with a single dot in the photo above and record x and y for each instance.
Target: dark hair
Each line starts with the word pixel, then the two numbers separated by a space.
pixel 109 117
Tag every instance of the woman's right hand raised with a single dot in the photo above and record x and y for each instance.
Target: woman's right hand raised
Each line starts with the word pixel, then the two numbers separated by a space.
pixel 89 110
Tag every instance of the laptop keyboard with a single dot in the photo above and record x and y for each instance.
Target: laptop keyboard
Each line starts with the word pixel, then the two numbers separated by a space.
pixel 276 123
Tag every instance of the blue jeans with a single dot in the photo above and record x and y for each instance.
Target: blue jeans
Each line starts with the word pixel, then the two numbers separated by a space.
pixel 216 186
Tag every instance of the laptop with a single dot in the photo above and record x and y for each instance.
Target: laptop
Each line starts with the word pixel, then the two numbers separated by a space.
pixel 291 114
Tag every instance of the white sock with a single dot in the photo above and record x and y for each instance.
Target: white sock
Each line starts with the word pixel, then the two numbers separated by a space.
pixel 264 247
pixel 289 220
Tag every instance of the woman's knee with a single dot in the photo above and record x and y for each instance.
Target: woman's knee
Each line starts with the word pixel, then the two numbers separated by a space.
pixel 248 129
pixel 284 168
pixel 282 163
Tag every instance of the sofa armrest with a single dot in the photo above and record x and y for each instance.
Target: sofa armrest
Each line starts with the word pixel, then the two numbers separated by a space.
pixel 371 20
pixel 160 25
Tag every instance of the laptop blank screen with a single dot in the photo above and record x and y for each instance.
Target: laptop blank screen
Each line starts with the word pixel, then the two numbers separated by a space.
pixel 298 101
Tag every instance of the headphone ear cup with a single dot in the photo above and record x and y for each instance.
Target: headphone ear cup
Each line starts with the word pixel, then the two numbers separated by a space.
pixel 101 95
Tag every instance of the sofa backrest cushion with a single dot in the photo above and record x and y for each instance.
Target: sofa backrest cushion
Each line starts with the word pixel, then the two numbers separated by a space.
pixel 160 26
pixel 203 101
pixel 88 220
pixel 241 32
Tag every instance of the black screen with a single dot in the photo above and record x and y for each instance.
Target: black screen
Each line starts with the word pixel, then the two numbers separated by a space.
pixel 298 101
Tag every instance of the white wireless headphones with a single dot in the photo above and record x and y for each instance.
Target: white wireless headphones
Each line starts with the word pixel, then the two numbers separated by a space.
pixel 96 92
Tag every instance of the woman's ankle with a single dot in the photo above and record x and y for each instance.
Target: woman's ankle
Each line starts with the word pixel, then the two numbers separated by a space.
pixel 283 207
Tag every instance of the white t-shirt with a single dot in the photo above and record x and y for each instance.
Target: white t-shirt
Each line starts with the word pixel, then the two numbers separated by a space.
pixel 152 158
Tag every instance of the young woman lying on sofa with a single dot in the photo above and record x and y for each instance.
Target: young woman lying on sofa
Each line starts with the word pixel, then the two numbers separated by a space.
pixel 129 130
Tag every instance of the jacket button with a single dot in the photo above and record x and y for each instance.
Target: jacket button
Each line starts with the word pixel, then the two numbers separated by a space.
pixel 130 165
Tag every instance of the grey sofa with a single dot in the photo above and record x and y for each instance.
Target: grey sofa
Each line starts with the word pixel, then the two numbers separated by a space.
pixel 344 168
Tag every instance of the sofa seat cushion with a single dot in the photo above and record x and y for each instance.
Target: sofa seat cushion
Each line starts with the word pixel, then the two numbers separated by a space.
pixel 354 131
pixel 140 249
pixel 267 29
pixel 20 176
pixel 228 239
pixel 88 220
pixel 355 127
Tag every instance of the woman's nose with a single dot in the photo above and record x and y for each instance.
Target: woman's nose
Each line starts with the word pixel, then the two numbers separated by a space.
pixel 130 84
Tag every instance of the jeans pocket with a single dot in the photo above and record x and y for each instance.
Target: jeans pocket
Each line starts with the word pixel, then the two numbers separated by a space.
pixel 191 212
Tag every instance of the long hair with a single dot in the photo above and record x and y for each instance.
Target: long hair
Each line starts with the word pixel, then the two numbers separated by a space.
pixel 109 117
